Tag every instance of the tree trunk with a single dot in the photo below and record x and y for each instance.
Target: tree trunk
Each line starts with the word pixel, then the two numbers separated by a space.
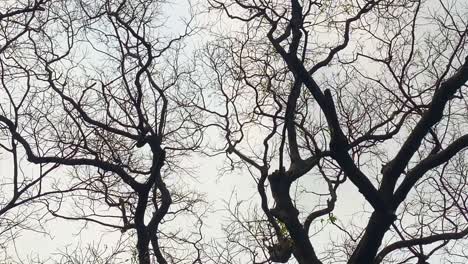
pixel 288 214
pixel 143 247
pixel 303 250
pixel 143 238
pixel 365 252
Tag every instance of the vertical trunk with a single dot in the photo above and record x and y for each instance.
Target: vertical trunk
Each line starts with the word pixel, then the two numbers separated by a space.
pixel 303 250
pixel 143 246
pixel 143 238
pixel 288 214
pixel 148 233
pixel 379 224
pixel 157 251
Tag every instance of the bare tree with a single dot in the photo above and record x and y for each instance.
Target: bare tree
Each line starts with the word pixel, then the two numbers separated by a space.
pixel 315 94
pixel 309 96
pixel 101 86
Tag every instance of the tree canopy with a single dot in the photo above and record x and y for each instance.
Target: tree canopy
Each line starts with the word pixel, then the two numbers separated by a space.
pixel 325 107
